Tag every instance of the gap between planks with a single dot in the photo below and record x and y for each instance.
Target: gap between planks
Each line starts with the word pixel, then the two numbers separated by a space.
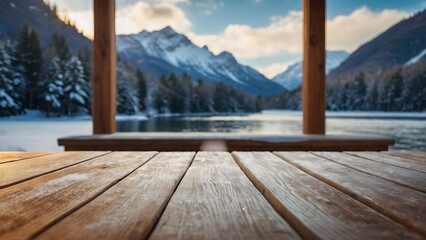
pixel 315 209
pixel 395 201
pixel 15 172
pixel 130 216
pixel 6 157
pixel 43 201
pixel 402 176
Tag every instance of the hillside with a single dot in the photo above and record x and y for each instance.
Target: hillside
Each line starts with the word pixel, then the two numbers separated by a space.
pixel 15 14
pixel 164 52
pixel 395 46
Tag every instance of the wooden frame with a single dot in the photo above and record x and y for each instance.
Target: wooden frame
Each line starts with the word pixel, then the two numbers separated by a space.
pixel 104 67
pixel 104 63
pixel 313 86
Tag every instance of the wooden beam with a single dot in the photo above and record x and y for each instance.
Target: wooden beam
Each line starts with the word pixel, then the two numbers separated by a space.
pixel 313 86
pixel 104 64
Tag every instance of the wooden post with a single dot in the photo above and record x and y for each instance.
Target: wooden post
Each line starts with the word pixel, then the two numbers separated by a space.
pixel 104 64
pixel 313 89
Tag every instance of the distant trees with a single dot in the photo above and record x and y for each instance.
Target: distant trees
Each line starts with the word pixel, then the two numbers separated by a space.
pixel 52 92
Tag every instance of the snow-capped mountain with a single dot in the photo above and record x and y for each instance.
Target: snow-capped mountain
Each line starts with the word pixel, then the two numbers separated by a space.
pixel 292 77
pixel 166 52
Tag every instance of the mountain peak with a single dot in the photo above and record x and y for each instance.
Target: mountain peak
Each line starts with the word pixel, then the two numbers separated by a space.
pixel 227 56
pixel 168 30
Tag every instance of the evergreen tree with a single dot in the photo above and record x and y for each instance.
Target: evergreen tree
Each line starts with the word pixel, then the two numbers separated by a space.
pixel 17 77
pixel 8 105
pixel 52 89
pixel 142 90
pixel 61 49
pixel 30 61
pixel 126 103
pixel 360 91
pixel 75 88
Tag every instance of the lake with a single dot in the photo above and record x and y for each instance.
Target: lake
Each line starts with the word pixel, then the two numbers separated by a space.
pixel 27 134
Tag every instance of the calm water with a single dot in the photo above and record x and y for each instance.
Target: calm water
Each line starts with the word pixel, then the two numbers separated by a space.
pixel 410 133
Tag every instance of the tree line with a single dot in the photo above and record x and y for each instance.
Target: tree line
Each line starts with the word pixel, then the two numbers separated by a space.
pixel 400 88
pixel 57 82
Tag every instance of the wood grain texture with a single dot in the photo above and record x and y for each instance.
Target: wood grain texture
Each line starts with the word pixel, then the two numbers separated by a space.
pixel 233 142
pixel 420 156
pixel 135 203
pixel 313 85
pixel 403 176
pixel 104 67
pixel 403 205
pixel 392 160
pixel 30 207
pixel 16 156
pixel 215 200
pixel 19 171
pixel 315 209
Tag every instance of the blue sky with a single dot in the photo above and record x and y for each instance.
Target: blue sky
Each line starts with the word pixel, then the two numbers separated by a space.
pixel 265 34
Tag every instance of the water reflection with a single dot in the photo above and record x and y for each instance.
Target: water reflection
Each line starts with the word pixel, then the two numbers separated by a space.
pixel 409 133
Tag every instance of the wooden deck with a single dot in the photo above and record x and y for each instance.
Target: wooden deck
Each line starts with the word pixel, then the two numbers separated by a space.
pixel 174 141
pixel 213 195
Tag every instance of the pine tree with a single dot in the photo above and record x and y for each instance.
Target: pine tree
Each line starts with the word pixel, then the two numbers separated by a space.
pixel 52 89
pixel 8 106
pixel 126 102
pixel 142 90
pixel 75 88
pixel 17 77
pixel 30 60
pixel 61 49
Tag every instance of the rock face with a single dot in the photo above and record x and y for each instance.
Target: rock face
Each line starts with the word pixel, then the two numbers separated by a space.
pixel 165 52
pixel 14 14
pixel 292 77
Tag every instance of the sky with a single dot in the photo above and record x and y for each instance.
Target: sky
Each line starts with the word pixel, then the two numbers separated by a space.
pixel 264 34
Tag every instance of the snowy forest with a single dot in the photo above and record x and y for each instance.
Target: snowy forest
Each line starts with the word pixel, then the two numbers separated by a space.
pixel 401 88
pixel 57 82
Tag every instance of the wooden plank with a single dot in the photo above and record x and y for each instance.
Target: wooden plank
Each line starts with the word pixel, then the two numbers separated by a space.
pixel 315 209
pixel 15 156
pixel 313 86
pixel 420 156
pixel 403 176
pixel 33 206
pixel 392 160
pixel 135 203
pixel 104 67
pixel 401 204
pixel 19 171
pixel 215 200
pixel 233 142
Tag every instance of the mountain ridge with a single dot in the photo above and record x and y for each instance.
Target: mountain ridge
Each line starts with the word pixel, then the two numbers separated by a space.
pixel 165 51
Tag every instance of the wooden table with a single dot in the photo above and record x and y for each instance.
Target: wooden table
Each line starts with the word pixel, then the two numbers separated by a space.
pixel 213 195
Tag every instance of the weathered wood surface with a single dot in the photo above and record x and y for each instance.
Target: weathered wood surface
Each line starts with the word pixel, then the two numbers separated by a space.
pixel 315 209
pixel 15 156
pixel 18 171
pixel 246 195
pixel 231 142
pixel 215 200
pixel 401 204
pixel 403 176
pixel 420 156
pixel 393 160
pixel 31 207
pixel 134 204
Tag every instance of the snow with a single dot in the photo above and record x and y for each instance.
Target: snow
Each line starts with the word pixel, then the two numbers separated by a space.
pixel 416 58
pixel 12 4
pixel 292 77
pixel 34 132
pixel 34 8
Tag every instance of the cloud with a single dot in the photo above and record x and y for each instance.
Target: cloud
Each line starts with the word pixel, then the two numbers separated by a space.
pixel 284 33
pixel 208 6
pixel 138 16
pixel 273 69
